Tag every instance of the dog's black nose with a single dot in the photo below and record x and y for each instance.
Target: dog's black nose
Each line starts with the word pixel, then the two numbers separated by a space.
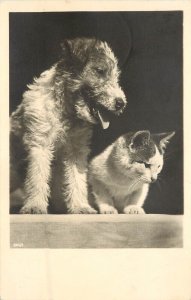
pixel 119 103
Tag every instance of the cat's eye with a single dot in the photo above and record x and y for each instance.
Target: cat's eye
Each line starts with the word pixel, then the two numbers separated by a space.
pixel 146 165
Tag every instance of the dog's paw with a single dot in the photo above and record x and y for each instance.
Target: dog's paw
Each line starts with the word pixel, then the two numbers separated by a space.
pixel 107 209
pixel 33 209
pixel 82 210
pixel 133 209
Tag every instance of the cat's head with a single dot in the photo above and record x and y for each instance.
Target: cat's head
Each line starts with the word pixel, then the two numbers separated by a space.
pixel 145 153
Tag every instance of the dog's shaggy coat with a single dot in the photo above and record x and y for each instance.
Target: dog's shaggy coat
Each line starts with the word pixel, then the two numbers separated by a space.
pixel 53 124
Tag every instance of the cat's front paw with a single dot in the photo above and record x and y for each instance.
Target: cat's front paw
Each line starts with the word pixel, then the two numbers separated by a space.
pixel 133 209
pixel 107 209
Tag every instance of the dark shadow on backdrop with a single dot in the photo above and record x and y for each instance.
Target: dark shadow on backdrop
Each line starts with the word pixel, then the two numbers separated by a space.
pixel 149 49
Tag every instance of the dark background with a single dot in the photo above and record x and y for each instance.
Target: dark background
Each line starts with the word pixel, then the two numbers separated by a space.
pixel 149 49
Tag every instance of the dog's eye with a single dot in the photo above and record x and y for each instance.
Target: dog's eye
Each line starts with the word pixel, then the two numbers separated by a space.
pixel 100 71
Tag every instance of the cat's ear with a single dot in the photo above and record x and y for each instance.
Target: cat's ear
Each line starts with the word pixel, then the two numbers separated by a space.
pixel 164 139
pixel 139 139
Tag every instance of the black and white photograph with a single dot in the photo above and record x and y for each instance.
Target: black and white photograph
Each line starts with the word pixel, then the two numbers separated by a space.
pixel 96 129
pixel 95 150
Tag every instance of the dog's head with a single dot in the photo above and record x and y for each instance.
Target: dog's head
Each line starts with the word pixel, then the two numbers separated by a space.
pixel 91 77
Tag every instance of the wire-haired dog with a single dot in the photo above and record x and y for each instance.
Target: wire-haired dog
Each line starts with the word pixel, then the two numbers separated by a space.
pixel 54 124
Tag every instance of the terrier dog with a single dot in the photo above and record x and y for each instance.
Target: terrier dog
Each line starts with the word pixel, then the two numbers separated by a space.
pixel 54 123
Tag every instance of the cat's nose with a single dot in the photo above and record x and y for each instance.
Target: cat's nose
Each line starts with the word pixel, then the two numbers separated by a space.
pixel 153 179
pixel 119 103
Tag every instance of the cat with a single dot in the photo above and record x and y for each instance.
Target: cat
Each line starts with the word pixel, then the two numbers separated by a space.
pixel 120 176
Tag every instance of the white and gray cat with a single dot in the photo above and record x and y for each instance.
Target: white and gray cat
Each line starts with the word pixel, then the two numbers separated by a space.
pixel 121 175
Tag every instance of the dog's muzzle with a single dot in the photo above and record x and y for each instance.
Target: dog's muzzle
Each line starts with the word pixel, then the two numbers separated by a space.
pixel 101 113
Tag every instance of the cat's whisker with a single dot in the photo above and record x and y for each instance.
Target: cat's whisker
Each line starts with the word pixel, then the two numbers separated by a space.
pixel 131 187
pixel 160 179
pixel 134 184
pixel 145 179
pixel 167 158
pixel 158 185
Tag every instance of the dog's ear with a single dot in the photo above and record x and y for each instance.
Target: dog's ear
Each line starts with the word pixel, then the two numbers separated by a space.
pixel 78 50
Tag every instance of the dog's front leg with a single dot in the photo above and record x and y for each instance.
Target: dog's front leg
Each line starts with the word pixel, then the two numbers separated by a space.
pixel 36 185
pixel 74 189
